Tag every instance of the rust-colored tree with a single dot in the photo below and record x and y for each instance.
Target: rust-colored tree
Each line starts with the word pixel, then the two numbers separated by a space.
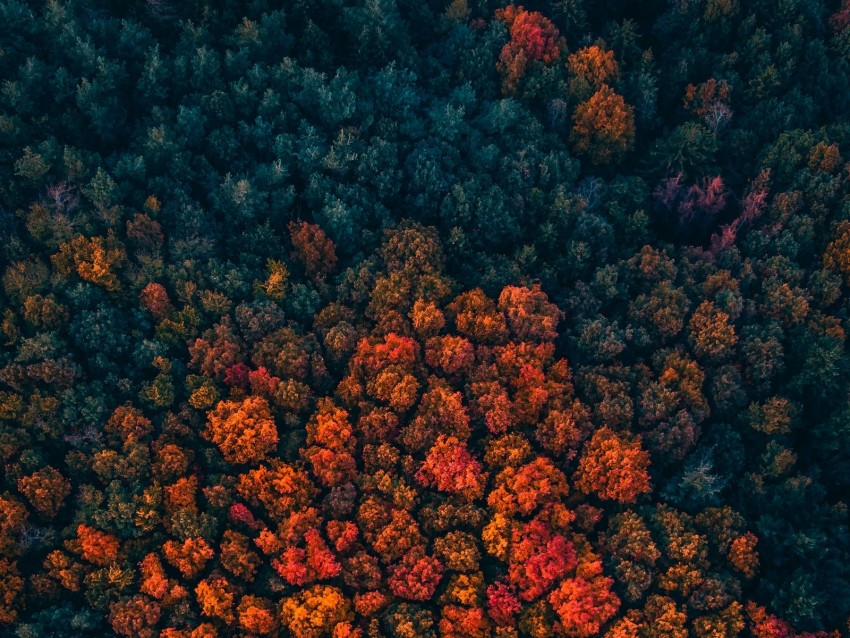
pixel 604 127
pixel 244 431
pixel 613 467
pixel 533 38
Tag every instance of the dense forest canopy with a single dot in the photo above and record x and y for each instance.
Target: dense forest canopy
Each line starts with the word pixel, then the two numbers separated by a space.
pixel 396 318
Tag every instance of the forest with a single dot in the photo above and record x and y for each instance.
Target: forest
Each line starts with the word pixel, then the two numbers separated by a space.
pixel 424 318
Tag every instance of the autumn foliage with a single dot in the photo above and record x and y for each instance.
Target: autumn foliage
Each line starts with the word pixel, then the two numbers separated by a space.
pixel 604 126
pixel 244 430
pixel 533 37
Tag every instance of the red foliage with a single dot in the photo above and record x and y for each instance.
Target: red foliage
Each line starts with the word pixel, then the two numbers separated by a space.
pixel 237 375
pixel 839 20
pixel 189 557
pixel 765 625
pixel 451 468
pixel 416 577
pixel 533 38
pixel 538 559
pixel 216 351
pixel 304 566
pixel 502 604
pixel 155 300
pixel 755 201
pixel 144 233
pixel 583 606
pixel 238 513
pixel 312 247
pixel 708 198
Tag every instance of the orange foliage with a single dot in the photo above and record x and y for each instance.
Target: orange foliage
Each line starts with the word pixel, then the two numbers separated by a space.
pixel 427 319
pixel 11 587
pixel 613 467
pixel 450 467
pixel 256 615
pixel 155 583
pixel 441 410
pixel 189 557
pixel 463 622
pixel 281 488
pixel 94 259
pixel 604 127
pixel 95 546
pixel 215 596
pixel 590 68
pixel 521 491
pixel 583 606
pixel 315 612
pixel 46 490
pixel 390 531
pixel 530 315
pixel 244 431
pixel 458 551
pixel 743 555
pixel 129 423
pixel 493 405
pixel 135 617
pixel 476 317
pixel 711 332
pixel 181 495
pixel 237 557
pixel 329 434
pixel 64 570
pixel 449 354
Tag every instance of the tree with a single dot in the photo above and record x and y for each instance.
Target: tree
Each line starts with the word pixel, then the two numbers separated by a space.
pixel 313 249
pixel 591 68
pixel 451 468
pixel 416 576
pixel 522 490
pixel 189 557
pixel 583 606
pixel 530 315
pixel 604 127
pixel 135 617
pixel 613 467
pixel 256 615
pixel 538 558
pixel 533 38
pixel 46 490
pixel 712 334
pixel 216 598
pixel 95 546
pixel 244 431
pixel 315 612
